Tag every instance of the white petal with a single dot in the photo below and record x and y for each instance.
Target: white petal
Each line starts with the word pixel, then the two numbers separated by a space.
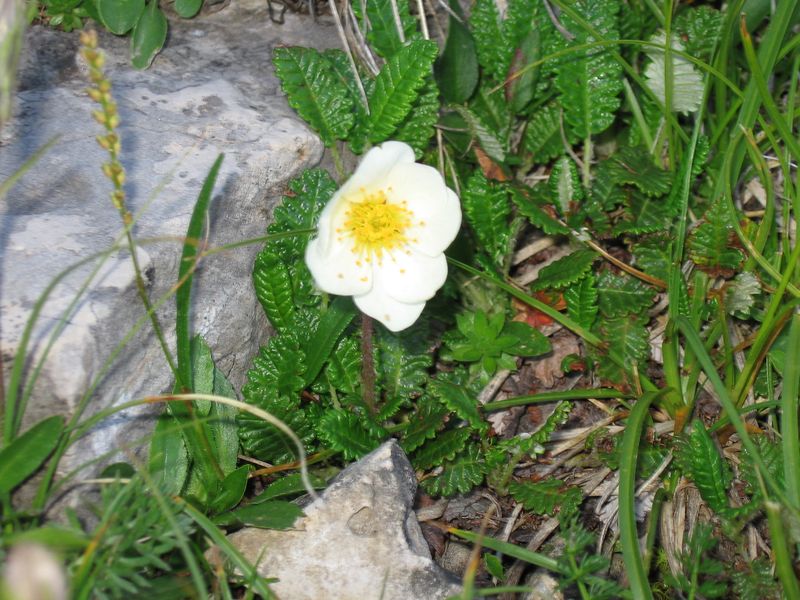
pixel 376 165
pixel 337 270
pixel 411 277
pixel 395 315
pixel 436 209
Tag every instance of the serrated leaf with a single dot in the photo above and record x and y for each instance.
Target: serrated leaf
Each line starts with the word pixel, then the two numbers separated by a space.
pixel 537 212
pixel 653 255
pixel 344 367
pixel 565 186
pixel 315 92
pixel 565 271
pixel 687 82
pixel 310 193
pixel 274 289
pixel 581 299
pixel 423 424
pixel 488 141
pixel 291 485
pixel 344 72
pixel 490 42
pixel 644 214
pixel 457 399
pixel 635 166
pixel 628 337
pixel 698 457
pixel 279 364
pixel 529 341
pixel 403 371
pixel 417 128
pixel 591 80
pixel 441 448
pixel 346 432
pixel 713 243
pixel 740 294
pixel 543 133
pixel 459 475
pixel 700 28
pixel 262 440
pixel 149 35
pixel 381 25
pixel 397 87
pixel 771 454
pixel 543 497
pixel 621 295
pixel 605 188
pixel 487 209
pixel 527 39
pixel 456 69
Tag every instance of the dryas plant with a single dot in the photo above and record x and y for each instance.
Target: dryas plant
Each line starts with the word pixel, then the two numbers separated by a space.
pixel 605 125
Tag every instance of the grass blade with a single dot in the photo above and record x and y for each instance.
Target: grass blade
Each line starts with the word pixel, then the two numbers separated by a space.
pixel 629 538
pixel 790 432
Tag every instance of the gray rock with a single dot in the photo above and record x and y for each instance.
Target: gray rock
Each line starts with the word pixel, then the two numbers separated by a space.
pixel 211 90
pixel 360 540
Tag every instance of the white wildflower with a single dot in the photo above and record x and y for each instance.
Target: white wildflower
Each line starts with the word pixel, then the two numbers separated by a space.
pixel 382 236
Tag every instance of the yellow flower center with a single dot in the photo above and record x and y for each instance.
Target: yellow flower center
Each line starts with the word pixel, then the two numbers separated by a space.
pixel 376 225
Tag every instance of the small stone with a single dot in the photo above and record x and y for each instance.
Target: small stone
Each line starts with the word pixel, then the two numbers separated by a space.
pixel 361 539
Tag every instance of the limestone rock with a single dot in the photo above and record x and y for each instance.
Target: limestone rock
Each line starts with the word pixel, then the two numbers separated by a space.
pixel 211 90
pixel 360 540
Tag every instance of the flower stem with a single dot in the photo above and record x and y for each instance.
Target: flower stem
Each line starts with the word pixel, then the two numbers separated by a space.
pixel 367 364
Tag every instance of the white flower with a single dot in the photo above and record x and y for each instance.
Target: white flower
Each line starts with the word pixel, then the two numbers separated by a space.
pixel 382 236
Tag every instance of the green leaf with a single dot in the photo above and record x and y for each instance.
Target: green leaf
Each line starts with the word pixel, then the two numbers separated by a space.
pixel 417 128
pixel 315 92
pixel 169 460
pixel 423 424
pixel 149 35
pixel 644 214
pixel 457 399
pixel 344 366
pixel 544 497
pixel 543 134
pixel 628 337
pixel 397 87
pixel 23 456
pixel 590 80
pixel 565 186
pixel 332 324
pixel 634 166
pixel 459 475
pixel 713 244
pixel 698 457
pixel 382 31
pixel 687 82
pixel 486 137
pixel 279 364
pixel 456 69
pixel 231 490
pixel 537 211
pixel 264 441
pixel 494 566
pixel 288 486
pixel 488 210
pixel 581 299
pixel 344 72
pixel 57 537
pixel 771 454
pixel 119 16
pixel 621 295
pixel 700 27
pixel 188 8
pixel 653 255
pixel 443 447
pixel 346 432
pixel 274 288
pixel 310 192
pixel 565 271
pixel 275 514
pixel 403 370
pixel 490 42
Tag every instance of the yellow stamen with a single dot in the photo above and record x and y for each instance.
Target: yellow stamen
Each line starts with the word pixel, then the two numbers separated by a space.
pixel 377 226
